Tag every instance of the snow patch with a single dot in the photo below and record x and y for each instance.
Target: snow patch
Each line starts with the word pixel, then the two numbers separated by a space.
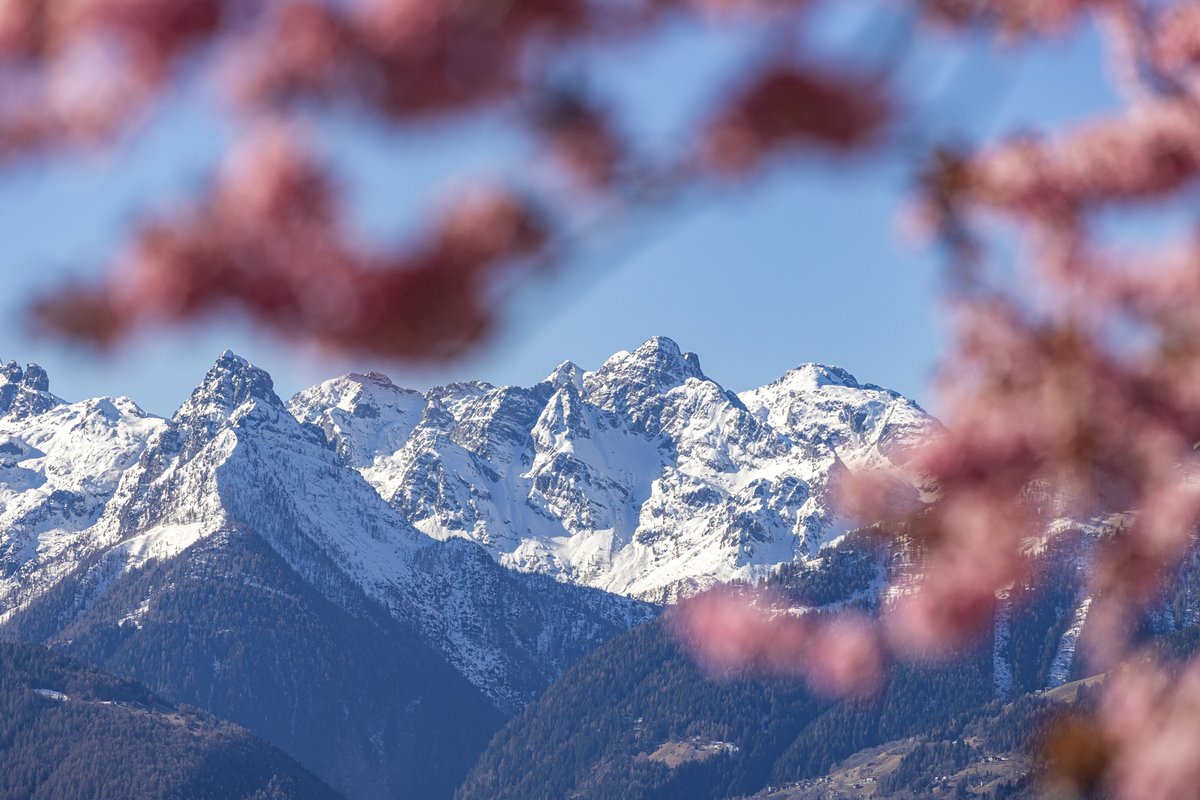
pixel 162 542
pixel 1064 657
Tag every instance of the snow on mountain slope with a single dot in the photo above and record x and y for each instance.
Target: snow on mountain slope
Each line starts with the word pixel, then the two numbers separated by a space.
pixel 59 466
pixel 828 407
pixel 643 477
pixel 233 460
pixel 368 418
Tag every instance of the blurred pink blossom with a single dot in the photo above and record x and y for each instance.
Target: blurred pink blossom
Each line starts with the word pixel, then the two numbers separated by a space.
pixel 735 631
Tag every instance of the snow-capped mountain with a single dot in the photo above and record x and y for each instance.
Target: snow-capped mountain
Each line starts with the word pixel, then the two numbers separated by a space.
pixel 99 488
pixel 60 464
pixel 230 559
pixel 25 392
pixel 643 477
pixel 478 515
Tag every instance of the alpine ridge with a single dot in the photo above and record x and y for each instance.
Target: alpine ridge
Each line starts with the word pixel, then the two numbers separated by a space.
pixel 643 477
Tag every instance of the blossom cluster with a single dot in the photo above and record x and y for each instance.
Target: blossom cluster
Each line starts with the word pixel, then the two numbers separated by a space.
pixel 80 73
pixel 1070 392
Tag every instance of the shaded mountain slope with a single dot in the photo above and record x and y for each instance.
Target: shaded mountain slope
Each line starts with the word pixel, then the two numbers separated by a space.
pixel 70 731
pixel 227 626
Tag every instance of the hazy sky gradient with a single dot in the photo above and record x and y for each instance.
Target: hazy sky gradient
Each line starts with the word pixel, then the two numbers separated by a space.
pixel 807 266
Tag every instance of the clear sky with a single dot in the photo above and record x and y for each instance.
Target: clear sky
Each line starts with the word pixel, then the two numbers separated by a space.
pixel 807 266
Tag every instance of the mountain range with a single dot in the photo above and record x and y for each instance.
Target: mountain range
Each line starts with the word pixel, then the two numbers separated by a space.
pixel 382 582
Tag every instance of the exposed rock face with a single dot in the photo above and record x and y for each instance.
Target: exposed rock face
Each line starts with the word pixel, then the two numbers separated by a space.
pixel 24 393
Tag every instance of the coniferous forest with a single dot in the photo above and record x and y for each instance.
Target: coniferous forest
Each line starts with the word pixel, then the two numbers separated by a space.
pixel 71 731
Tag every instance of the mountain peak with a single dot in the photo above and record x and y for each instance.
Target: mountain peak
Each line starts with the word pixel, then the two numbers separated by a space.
pixel 230 360
pixel 812 376
pixel 36 378
pixel 664 353
pixel 377 378
pixel 658 362
pixel 636 384
pixel 231 382
pixel 568 372
pixel 32 377
pixel 656 345
pixel 25 392
pixel 364 394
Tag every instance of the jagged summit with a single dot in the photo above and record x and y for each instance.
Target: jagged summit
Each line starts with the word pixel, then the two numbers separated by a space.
pixel 377 378
pixel 636 384
pixel 229 363
pixel 356 390
pixel 568 372
pixel 35 378
pixel 231 382
pixel 25 392
pixel 658 362
pixel 812 377
pixel 865 424
pixel 361 415
pixel 365 394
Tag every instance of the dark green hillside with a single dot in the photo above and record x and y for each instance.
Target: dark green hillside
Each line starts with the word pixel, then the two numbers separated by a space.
pixel 71 731
pixel 637 719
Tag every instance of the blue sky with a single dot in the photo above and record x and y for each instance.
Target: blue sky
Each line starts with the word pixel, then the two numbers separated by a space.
pixel 807 266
